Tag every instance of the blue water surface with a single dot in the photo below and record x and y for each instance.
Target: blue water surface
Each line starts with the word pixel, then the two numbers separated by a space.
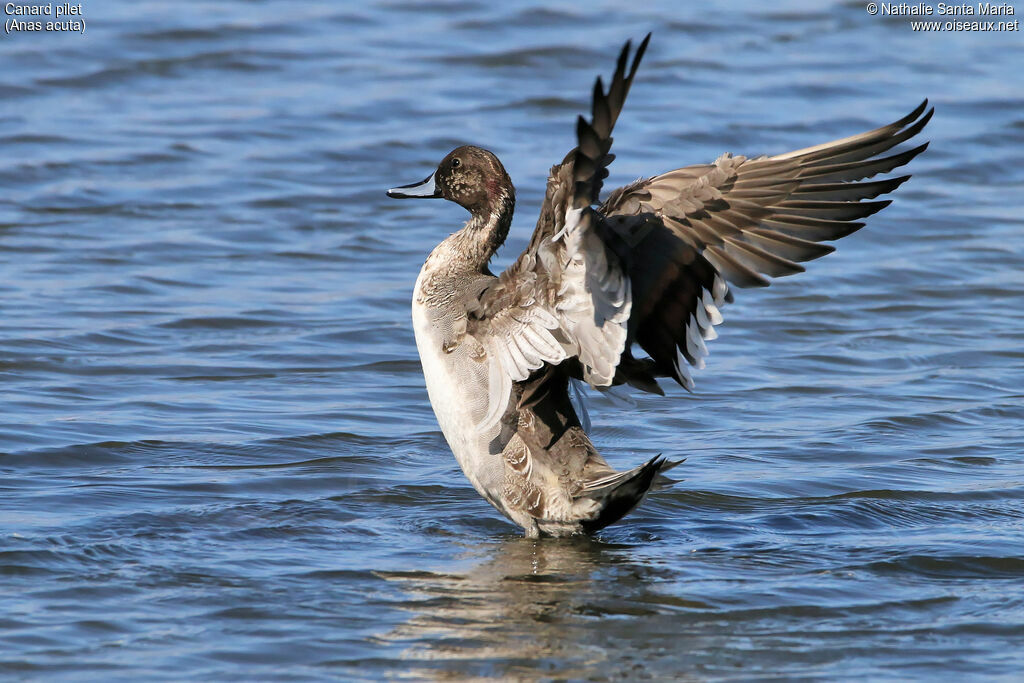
pixel 217 456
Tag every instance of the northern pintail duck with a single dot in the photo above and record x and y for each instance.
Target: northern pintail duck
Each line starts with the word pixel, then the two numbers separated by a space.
pixel 650 266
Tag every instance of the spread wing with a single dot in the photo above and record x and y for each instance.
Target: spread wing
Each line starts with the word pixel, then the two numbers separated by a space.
pixel 567 296
pixel 739 220
pixel 651 265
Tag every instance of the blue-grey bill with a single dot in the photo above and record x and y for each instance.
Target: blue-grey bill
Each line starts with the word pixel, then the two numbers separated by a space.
pixel 426 188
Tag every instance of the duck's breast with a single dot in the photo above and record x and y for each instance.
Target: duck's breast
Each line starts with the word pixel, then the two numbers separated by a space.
pixel 457 387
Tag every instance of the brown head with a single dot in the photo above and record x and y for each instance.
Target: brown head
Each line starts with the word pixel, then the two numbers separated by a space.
pixel 470 176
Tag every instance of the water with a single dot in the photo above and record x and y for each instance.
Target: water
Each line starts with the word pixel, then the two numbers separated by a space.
pixel 219 461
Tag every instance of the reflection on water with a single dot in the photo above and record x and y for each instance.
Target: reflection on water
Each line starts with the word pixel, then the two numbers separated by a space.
pixel 528 603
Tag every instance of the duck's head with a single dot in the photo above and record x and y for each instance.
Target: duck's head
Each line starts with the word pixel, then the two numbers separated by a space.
pixel 470 176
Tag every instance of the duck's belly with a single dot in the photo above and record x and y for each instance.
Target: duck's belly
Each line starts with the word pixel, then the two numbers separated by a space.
pixel 457 397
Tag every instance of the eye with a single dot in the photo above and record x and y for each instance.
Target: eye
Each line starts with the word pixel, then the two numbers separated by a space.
pixel 456 162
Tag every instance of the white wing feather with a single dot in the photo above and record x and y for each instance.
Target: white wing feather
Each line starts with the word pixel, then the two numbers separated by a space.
pixel 584 317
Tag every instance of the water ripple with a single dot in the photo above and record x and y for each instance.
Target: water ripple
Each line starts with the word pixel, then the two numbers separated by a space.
pixel 217 456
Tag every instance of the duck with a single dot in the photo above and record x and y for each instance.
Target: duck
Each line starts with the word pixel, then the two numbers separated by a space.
pixel 624 290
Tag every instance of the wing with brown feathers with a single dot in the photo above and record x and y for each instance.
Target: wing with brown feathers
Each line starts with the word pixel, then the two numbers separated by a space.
pixel 567 295
pixel 741 220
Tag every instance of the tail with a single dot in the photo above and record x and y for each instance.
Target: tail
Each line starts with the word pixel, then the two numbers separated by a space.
pixel 619 493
